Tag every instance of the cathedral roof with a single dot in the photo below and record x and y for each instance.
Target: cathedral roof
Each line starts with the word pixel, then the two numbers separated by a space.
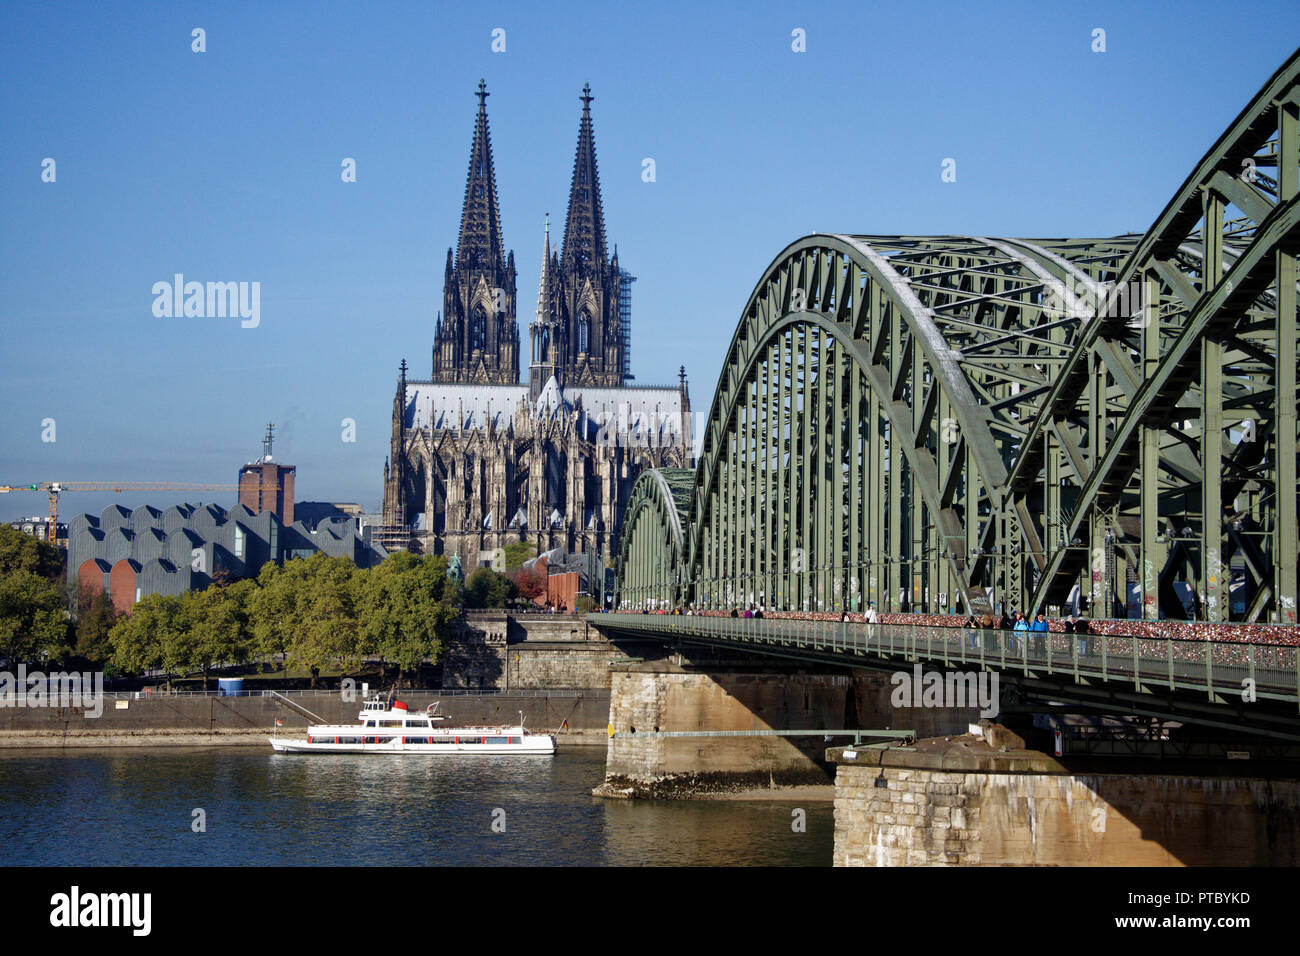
pixel 473 406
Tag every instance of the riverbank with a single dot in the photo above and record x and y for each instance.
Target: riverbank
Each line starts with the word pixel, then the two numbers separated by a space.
pixel 178 720
pixel 10 740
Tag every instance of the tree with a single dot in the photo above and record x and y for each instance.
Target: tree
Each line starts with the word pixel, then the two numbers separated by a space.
pixel 216 621
pixel 22 552
pixel 517 552
pixel 487 588
pixel 33 620
pixel 150 637
pixel 92 623
pixel 406 606
pixel 274 608
pixel 325 606
pixel 530 583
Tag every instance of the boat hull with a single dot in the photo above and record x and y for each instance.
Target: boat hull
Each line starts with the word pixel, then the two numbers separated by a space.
pixel 542 745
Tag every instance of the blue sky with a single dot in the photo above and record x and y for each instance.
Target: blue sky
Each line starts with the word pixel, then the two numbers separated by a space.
pixel 225 166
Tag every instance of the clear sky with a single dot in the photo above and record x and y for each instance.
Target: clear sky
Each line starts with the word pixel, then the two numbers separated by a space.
pixel 225 166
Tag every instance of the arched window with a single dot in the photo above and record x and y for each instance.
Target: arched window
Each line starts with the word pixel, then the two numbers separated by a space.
pixel 584 333
pixel 478 330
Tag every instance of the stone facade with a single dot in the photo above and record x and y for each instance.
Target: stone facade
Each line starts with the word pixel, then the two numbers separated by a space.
pixel 961 803
pixel 505 651
pixel 480 459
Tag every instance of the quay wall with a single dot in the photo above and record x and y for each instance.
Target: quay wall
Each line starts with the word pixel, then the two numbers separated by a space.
pixel 505 651
pixel 189 720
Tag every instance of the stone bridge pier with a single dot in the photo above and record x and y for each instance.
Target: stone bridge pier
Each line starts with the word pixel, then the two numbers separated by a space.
pixel 682 727
pixel 983 799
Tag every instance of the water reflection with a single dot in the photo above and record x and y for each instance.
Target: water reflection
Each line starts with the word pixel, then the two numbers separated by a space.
pixel 135 807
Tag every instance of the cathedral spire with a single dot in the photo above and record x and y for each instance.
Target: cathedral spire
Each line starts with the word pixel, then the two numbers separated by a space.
pixel 544 282
pixel 480 220
pixel 584 228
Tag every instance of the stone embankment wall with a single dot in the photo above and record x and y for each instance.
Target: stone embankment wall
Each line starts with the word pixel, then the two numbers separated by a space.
pixel 960 802
pixel 234 720
pixel 496 649
pixel 647 700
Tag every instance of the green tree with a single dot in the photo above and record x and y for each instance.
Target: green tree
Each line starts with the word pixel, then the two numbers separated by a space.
pixel 216 622
pixel 92 623
pixel 33 618
pixel 487 588
pixel 407 607
pixel 517 552
pixel 22 552
pixel 153 635
pixel 326 607
pixel 274 607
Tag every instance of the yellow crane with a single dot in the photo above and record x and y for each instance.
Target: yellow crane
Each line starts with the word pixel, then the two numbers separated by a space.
pixel 55 488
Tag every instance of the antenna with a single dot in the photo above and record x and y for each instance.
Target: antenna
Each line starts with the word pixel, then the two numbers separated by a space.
pixel 267 441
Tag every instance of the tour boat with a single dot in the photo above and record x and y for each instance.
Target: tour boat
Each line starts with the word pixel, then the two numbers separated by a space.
pixel 394 729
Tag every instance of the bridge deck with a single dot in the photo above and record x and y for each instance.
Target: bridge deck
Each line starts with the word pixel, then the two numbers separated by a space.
pixel 1218 669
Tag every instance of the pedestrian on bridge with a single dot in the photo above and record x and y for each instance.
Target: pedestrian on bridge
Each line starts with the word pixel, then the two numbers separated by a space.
pixel 1020 625
pixel 870 617
pixel 1040 629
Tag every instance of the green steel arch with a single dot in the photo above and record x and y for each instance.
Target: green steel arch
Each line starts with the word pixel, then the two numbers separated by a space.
pixel 652 548
pixel 1183 417
pixel 914 420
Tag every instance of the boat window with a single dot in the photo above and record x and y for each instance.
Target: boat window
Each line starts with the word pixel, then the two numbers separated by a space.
pixel 514 740
pixel 417 723
pixel 497 740
pixel 370 723
pixel 390 723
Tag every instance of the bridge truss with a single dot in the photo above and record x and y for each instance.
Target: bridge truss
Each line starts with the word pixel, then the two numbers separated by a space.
pixel 964 422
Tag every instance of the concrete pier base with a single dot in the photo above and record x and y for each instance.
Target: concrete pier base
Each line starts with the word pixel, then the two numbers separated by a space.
pixel 653 698
pixel 961 802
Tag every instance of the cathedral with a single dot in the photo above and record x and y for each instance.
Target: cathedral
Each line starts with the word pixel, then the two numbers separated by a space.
pixel 480 457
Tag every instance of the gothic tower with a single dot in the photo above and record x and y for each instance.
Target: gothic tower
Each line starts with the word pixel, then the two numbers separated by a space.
pixel 589 340
pixel 544 333
pixel 477 339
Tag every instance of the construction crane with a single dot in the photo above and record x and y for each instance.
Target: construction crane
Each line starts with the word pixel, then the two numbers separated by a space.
pixel 55 488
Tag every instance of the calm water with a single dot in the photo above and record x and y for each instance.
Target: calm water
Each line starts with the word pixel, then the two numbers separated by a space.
pixel 135 806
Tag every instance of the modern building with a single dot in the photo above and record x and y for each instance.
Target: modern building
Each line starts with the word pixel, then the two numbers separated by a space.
pixel 187 547
pixel 480 458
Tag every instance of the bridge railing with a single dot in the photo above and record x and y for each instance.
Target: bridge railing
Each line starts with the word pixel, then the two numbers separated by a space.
pixel 1216 667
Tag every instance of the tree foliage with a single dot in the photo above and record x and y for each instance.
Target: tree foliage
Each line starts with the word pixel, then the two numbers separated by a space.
pixel 22 552
pixel 488 588
pixel 320 612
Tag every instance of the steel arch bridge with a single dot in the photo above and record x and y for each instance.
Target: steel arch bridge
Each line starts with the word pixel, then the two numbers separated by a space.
pixel 965 421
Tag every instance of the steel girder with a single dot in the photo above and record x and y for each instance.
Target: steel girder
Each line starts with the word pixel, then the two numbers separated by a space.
pixel 907 419
pixel 1214 351
pixel 873 398
pixel 652 548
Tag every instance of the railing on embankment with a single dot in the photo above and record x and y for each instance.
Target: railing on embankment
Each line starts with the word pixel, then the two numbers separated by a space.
pixel 1217 668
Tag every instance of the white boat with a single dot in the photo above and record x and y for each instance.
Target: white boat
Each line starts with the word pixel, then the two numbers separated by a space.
pixel 385 728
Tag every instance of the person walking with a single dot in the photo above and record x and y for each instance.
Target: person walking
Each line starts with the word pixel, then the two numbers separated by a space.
pixel 972 626
pixel 870 617
pixel 1020 625
pixel 1039 629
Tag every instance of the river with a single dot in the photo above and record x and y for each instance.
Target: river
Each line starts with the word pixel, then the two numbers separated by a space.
pixel 144 806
